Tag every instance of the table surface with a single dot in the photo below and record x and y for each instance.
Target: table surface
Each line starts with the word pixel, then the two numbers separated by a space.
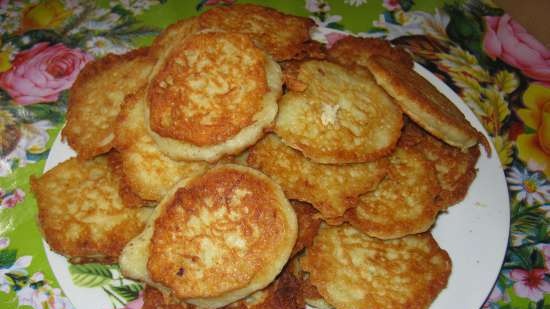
pixel 499 70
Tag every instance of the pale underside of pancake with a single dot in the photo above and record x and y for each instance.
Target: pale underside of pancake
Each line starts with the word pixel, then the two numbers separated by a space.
pixel 81 213
pixel 340 117
pixel 332 189
pixel 455 168
pixel 352 51
pixel 215 239
pixel 424 104
pixel 352 270
pixel 102 86
pixel 405 201
pixel 214 94
pixel 148 172
pixel 282 36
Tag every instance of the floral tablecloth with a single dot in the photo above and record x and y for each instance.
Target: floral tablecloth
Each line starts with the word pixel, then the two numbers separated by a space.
pixel 500 71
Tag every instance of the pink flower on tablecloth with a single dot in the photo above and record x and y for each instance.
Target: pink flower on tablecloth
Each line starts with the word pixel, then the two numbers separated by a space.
pixel 509 41
pixel 546 252
pixel 495 296
pixel 9 200
pixel 136 303
pixel 530 283
pixel 317 6
pixel 42 72
pixel 334 37
pixel 392 5
pixel 4 242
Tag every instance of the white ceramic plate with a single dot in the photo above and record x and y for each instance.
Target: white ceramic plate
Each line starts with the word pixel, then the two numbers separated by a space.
pixel 474 232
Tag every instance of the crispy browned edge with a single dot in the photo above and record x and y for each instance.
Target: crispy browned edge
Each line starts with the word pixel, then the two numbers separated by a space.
pixel 90 70
pixel 129 197
pixel 417 137
pixel 292 50
pixel 285 292
pixel 424 103
pixel 112 251
pixel 343 51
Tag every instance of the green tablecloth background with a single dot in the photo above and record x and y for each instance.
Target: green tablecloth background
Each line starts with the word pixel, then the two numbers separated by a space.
pixel 488 59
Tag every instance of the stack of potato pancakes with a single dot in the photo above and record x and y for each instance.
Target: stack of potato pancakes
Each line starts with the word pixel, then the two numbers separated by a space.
pixel 237 163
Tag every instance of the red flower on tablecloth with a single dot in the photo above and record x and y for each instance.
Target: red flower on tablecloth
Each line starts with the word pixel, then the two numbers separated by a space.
pixel 392 5
pixel 42 72
pixel 530 283
pixel 509 41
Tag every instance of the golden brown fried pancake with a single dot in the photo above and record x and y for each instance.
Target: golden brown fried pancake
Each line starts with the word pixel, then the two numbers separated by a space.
pixel 309 292
pixel 340 117
pixel 455 168
pixel 308 225
pixel 212 95
pixel 313 298
pixel 102 86
pixel 352 270
pixel 310 50
pixel 176 32
pixel 216 238
pixel 424 104
pixel 351 51
pixel 180 106
pixel 81 213
pixel 128 197
pixel 332 189
pixel 283 293
pixel 153 299
pixel 404 202
pixel 148 172
pixel 282 36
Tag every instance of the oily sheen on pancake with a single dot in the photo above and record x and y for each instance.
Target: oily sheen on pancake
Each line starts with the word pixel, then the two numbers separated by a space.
pixel 405 201
pixel 351 51
pixel 454 167
pixel 81 213
pixel 280 35
pixel 148 172
pixel 216 238
pixel 212 95
pixel 330 188
pixel 102 86
pixel 424 104
pixel 340 117
pixel 351 270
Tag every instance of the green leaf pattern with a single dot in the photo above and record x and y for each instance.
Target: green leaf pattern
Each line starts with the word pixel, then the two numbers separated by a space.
pixel 107 277
pixel 90 275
